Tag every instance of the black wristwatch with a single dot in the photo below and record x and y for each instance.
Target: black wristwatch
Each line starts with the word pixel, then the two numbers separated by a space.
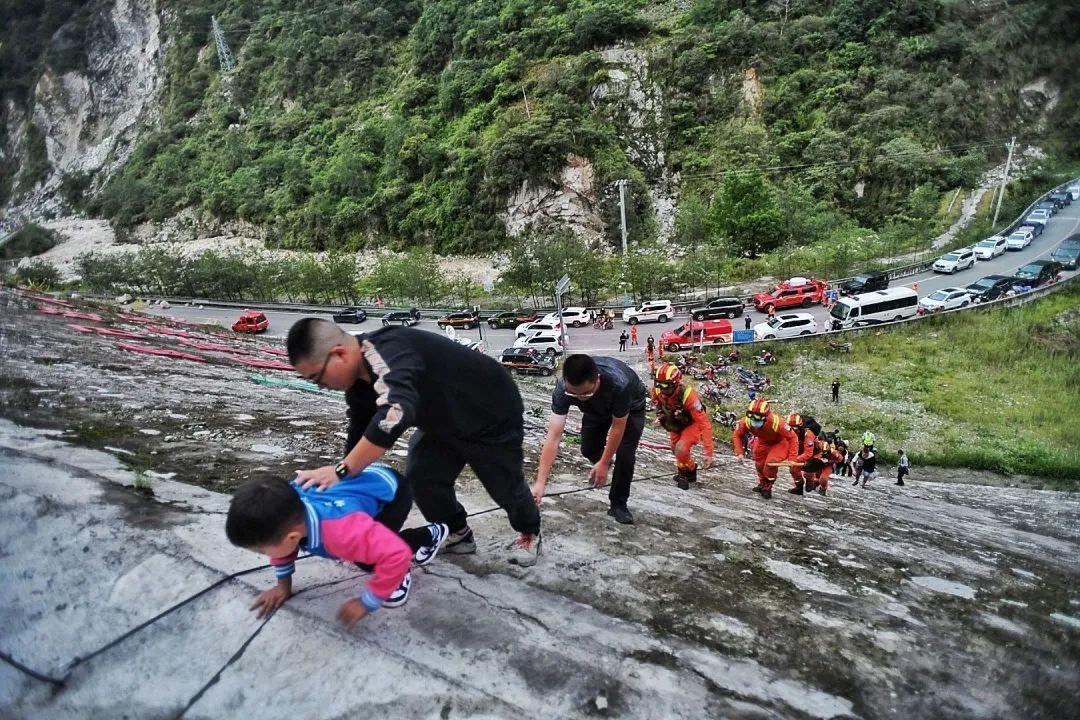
pixel 341 470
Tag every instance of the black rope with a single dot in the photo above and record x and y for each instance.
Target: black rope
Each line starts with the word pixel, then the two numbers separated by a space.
pixel 571 492
pixel 58 682
pixel 79 660
pixel 216 677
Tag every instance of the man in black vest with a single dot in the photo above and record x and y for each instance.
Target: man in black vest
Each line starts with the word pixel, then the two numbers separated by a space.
pixel 611 397
pixel 465 407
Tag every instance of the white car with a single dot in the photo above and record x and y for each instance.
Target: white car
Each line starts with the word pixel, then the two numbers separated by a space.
pixel 1019 240
pixel 945 299
pixel 530 327
pixel 786 325
pixel 572 316
pixel 956 260
pixel 650 311
pixel 545 341
pixel 990 248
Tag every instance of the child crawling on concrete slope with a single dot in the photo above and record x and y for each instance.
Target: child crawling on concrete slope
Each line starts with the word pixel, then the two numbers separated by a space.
pixel 358 520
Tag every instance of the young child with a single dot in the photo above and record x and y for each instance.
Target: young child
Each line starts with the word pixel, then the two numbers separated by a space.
pixel 357 520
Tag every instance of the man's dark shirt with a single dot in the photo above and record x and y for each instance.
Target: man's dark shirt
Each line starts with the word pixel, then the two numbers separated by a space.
pixel 425 380
pixel 621 392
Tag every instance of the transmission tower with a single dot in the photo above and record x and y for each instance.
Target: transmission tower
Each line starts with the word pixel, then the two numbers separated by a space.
pixel 224 54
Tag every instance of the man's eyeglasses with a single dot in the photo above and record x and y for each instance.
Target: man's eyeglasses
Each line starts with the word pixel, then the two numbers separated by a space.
pixel 318 378
pixel 580 396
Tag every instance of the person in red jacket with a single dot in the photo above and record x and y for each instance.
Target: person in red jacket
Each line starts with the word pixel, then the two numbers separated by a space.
pixel 819 468
pixel 774 442
pixel 807 438
pixel 680 412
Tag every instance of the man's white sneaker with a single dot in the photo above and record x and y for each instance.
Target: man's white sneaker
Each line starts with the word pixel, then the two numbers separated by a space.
pixel 399 596
pixel 439 535
pixel 525 551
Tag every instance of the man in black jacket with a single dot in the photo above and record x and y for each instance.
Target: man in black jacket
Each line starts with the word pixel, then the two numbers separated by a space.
pixel 465 407
pixel 612 401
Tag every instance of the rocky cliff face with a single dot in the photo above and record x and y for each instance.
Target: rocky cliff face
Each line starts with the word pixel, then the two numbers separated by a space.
pixel 90 119
pixel 635 109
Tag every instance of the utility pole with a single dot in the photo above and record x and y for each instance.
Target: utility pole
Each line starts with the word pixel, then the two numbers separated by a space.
pixel 527 111
pixel 622 215
pixel 1004 180
pixel 225 57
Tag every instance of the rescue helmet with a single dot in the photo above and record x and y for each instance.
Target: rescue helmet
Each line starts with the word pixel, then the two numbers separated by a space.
pixel 794 420
pixel 667 376
pixel 758 409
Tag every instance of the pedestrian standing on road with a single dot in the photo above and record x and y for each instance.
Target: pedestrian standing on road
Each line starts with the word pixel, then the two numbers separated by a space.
pixel 836 390
pixel 772 311
pixel 465 407
pixel 650 353
pixel 903 467
pixel 611 397
pixel 747 322
pixel 915 286
pixel 633 335
pixel 622 341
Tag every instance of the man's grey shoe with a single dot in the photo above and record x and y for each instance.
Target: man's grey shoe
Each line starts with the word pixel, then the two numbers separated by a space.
pixel 525 551
pixel 460 542
pixel 621 514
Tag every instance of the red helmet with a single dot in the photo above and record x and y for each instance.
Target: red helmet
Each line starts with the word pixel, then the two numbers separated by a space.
pixel 794 420
pixel 667 375
pixel 759 408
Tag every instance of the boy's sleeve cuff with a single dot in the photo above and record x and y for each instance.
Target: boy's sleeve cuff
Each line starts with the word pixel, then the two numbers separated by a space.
pixel 369 601
pixel 284 571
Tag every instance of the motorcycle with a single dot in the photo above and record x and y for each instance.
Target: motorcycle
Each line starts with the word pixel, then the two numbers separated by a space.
pixel 726 418
pixel 603 323
pixel 764 358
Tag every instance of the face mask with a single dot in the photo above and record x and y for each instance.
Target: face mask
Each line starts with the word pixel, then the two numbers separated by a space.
pixel 757 423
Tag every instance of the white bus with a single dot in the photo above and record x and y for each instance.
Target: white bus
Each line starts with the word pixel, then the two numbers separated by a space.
pixel 875 307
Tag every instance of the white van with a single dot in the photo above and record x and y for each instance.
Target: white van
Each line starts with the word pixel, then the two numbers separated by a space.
pixel 875 307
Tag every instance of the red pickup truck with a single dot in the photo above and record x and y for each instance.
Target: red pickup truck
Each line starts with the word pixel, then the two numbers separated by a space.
pixel 796 292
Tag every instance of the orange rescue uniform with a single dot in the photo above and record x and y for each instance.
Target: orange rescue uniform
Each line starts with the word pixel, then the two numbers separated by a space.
pixel 819 468
pixel 774 442
pixel 806 451
pixel 684 406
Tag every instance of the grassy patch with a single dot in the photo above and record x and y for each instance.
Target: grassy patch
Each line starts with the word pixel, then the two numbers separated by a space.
pixel 992 391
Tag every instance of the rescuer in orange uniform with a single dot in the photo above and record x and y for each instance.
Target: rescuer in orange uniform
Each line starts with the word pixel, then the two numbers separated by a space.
pixel 807 438
pixel 680 412
pixel 819 467
pixel 774 442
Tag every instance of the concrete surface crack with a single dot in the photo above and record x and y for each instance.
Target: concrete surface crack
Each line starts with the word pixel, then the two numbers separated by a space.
pixel 490 603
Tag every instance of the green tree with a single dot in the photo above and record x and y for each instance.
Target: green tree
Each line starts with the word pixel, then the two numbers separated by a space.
pixel 745 213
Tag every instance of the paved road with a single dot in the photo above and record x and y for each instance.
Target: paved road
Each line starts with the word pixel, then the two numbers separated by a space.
pixel 587 339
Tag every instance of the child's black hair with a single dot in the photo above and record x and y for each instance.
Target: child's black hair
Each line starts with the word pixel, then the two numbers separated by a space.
pixel 260 512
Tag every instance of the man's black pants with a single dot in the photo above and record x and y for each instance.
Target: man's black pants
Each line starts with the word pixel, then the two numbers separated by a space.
pixel 435 462
pixel 594 432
